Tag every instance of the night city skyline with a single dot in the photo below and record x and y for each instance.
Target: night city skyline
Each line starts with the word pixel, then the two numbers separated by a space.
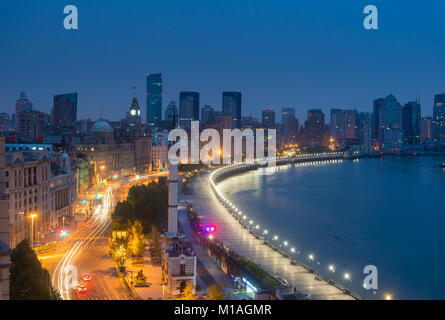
pixel 239 153
pixel 344 66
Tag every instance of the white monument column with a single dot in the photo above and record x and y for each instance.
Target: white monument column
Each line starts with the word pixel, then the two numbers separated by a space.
pixel 173 200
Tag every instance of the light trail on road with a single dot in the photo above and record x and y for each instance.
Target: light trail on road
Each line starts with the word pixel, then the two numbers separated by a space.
pixel 63 274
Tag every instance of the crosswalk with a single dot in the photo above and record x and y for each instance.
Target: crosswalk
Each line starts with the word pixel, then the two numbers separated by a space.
pixel 96 248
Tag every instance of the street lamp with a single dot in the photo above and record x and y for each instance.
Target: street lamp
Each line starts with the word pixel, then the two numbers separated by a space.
pixel 32 216
pixel 332 268
pixel 347 276
pixel 388 297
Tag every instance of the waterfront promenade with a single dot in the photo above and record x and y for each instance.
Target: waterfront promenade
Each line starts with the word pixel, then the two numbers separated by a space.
pixel 235 236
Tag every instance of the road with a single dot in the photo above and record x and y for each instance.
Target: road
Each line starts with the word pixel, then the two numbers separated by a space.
pixel 85 252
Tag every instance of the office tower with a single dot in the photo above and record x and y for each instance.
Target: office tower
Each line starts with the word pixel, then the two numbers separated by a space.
pixel 22 120
pixel 411 123
pixel 391 124
pixel 64 111
pixel 171 113
pixel 289 125
pixel 379 104
pixel 439 118
pixel 188 108
pixel 314 132
pixel 154 98
pixel 344 124
pixel 29 123
pixel 206 114
pixel 425 129
pixel 268 118
pixel 231 104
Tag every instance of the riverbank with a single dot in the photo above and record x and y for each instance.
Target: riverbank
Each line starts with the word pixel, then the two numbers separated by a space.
pixel 246 244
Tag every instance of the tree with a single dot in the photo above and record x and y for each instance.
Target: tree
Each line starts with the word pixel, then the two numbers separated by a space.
pixel 188 293
pixel 29 280
pixel 216 292
pixel 119 250
pixel 137 243
pixel 146 203
pixel 155 237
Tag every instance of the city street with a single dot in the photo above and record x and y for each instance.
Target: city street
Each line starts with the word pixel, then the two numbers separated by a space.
pixel 86 249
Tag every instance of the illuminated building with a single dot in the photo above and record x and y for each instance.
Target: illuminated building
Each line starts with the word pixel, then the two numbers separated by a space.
pixel 439 118
pixel 154 98
pixel 188 108
pixel 231 104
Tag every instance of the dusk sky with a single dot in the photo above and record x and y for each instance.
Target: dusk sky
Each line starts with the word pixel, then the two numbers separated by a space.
pixel 278 54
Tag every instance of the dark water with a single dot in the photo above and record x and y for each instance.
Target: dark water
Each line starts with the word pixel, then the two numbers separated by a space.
pixel 389 213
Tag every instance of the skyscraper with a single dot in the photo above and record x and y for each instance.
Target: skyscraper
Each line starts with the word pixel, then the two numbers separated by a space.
pixel 171 113
pixel 391 123
pixel 268 118
pixel 289 125
pixel 154 98
pixel 439 118
pixel 188 108
pixel 231 104
pixel 425 129
pixel 206 114
pixel 64 111
pixel 411 123
pixel 379 104
pixel 344 124
pixel 314 132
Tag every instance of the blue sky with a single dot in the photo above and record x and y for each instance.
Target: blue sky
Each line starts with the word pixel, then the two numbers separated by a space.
pixel 278 54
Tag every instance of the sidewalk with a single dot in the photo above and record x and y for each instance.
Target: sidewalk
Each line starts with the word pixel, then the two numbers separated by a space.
pixel 208 271
pixel 153 274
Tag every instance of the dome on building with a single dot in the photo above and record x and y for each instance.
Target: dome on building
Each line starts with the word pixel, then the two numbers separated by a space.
pixel 102 126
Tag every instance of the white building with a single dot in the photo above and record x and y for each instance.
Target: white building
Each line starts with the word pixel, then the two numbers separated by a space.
pixel 178 261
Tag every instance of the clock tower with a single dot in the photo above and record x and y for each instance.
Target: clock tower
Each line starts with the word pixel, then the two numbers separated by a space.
pixel 134 116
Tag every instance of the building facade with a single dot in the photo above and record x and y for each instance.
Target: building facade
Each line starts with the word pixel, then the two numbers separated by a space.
pixel 439 118
pixel 154 98
pixel 188 108
pixel 411 122
pixel 231 104
pixel 64 111
pixel 4 228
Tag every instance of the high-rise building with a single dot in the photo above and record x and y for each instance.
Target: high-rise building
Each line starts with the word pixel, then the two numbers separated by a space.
pixel 154 98
pixel 268 118
pixel 379 104
pixel 29 123
pixel 411 123
pixel 231 104
pixel 425 129
pixel 439 118
pixel 344 124
pixel 171 113
pixel 289 125
pixel 206 114
pixel 188 108
pixel 391 123
pixel 64 111
pixel 314 132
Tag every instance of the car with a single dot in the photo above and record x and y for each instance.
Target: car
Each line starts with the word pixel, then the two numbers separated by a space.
pixel 82 288
pixel 86 277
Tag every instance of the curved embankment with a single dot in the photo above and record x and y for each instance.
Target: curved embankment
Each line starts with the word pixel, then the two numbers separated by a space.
pixel 222 173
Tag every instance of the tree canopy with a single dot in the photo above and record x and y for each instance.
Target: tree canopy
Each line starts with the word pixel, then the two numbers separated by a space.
pixel 29 280
pixel 145 203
